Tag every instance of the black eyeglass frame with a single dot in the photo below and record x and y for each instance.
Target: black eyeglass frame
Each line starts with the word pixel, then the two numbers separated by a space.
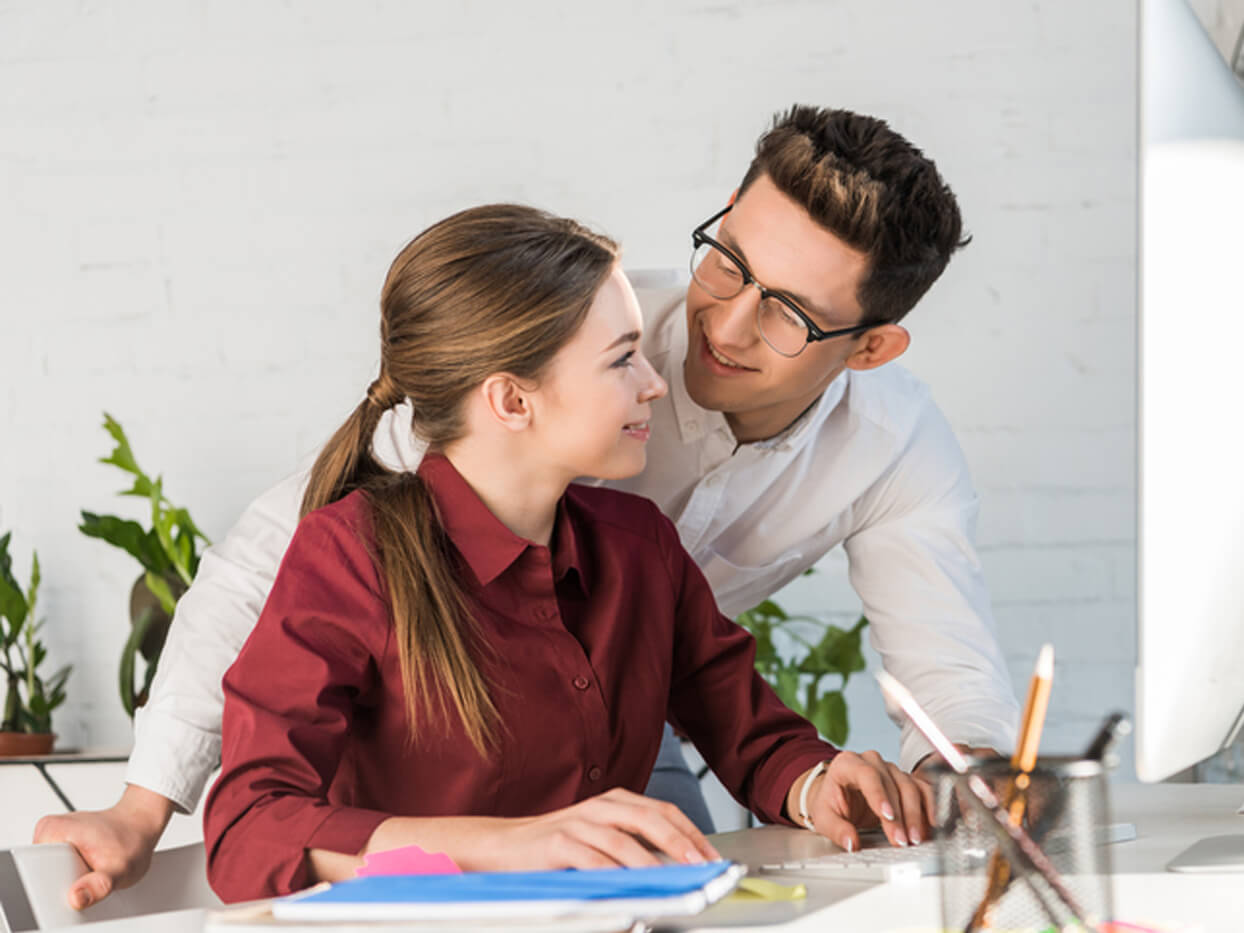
pixel 699 238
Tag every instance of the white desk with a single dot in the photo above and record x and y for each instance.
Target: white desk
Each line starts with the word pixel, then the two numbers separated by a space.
pixel 1168 817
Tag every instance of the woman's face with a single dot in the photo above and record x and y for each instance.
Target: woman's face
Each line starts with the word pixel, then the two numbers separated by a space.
pixel 592 406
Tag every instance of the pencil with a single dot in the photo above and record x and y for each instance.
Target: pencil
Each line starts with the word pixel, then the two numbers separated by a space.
pixel 1012 837
pixel 1023 760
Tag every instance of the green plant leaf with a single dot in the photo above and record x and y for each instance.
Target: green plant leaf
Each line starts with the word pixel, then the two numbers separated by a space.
pixel 162 591
pixel 128 656
pixel 36 577
pixel 786 684
pixel 829 715
pixel 12 607
pixel 838 652
pixel 769 608
pixel 128 535
pixel 122 456
pixel 141 488
pixel 6 562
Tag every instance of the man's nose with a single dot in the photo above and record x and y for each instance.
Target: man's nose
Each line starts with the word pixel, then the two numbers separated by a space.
pixel 734 320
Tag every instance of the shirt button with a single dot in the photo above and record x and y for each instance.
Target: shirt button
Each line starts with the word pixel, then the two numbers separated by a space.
pixel 594 774
pixel 689 425
pixel 581 682
pixel 546 612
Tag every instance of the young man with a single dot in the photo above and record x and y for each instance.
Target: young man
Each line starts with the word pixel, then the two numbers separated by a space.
pixel 783 435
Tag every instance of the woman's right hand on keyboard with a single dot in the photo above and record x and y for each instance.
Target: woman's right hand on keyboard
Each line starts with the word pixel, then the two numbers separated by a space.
pixel 862 791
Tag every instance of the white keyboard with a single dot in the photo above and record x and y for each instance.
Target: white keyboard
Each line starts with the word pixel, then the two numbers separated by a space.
pixel 882 862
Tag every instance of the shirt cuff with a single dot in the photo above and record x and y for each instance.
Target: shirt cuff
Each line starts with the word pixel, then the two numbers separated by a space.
pixel 346 830
pixel 770 800
pixel 172 758
pixel 914 747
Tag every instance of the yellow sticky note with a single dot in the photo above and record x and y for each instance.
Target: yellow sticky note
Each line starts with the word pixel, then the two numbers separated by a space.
pixel 759 889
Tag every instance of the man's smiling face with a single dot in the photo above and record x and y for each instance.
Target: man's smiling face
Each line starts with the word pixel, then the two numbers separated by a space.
pixel 729 367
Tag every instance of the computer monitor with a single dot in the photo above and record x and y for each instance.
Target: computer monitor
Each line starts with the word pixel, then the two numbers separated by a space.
pixel 1190 675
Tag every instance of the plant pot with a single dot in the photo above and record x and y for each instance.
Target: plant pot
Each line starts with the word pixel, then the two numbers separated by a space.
pixel 25 744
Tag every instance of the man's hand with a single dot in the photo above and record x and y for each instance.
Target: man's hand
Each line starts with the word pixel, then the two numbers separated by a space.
pixel 863 791
pixel 923 769
pixel 116 843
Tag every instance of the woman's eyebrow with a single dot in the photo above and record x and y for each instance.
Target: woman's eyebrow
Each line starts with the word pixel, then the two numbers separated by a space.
pixel 629 337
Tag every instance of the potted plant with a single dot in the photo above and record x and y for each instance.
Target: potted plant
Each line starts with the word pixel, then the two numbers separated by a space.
pixel 800 679
pixel 29 699
pixel 169 554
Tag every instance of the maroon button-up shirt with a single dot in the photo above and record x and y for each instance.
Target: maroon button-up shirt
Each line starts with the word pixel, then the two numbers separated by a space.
pixel 592 645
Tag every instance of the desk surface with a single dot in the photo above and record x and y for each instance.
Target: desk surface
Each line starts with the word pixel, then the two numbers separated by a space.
pixel 1168 818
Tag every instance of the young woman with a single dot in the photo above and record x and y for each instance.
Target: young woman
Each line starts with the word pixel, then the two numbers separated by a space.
pixel 479 657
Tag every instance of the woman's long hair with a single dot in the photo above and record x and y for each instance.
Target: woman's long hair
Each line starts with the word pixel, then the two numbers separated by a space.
pixel 499 288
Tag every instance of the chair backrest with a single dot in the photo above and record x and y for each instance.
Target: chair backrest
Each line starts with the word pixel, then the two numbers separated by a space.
pixel 35 879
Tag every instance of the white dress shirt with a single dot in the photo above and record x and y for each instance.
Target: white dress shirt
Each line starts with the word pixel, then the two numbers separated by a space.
pixel 873 465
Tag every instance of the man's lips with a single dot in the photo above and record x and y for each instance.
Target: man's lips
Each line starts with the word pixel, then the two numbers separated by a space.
pixel 718 360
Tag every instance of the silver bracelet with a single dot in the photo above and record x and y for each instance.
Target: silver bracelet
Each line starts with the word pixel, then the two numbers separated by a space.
pixel 804 816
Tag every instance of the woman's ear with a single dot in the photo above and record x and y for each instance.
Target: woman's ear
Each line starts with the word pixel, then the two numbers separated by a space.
pixel 506 401
pixel 878 346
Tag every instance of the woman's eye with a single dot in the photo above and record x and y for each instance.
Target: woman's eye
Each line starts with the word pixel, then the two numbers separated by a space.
pixel 624 360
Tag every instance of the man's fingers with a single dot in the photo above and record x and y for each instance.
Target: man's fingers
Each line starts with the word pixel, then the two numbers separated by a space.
pixel 90 889
pixel 49 829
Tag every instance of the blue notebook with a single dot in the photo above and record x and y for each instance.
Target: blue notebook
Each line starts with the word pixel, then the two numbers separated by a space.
pixel 663 890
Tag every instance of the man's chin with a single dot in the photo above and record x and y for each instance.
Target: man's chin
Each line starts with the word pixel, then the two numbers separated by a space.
pixel 705 390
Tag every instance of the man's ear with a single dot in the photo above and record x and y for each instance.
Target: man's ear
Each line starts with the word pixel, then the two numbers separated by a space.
pixel 878 346
pixel 506 401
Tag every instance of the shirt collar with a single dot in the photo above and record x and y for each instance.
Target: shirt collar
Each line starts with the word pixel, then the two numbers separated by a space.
pixel 485 543
pixel 695 422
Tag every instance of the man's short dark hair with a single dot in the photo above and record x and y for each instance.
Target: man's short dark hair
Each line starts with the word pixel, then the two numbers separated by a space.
pixel 874 190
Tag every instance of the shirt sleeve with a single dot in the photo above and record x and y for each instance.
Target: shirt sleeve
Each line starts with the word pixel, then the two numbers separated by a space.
pixel 753 742
pixel 289 704
pixel 177 732
pixel 914 564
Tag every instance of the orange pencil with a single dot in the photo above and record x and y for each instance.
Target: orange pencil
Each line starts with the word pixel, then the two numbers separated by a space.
pixel 1023 761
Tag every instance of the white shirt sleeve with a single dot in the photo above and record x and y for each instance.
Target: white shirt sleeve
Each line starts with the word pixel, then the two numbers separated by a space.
pixel 913 562
pixel 177 732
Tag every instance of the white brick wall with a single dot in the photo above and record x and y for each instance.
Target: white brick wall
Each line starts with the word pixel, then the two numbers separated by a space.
pixel 198 202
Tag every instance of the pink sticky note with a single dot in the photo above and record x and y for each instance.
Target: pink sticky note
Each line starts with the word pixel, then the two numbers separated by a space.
pixel 408 860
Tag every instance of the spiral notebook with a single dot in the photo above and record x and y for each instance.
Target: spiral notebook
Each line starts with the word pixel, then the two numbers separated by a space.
pixel 665 890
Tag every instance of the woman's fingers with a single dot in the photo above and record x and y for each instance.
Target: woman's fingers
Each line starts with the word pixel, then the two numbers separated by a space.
pixel 917 803
pixel 900 803
pixel 584 843
pixel 662 825
pixel 616 828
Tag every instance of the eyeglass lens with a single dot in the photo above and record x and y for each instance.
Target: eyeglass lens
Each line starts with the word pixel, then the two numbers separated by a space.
pixel 719 275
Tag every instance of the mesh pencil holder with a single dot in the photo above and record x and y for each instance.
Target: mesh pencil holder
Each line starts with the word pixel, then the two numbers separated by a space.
pixel 986 884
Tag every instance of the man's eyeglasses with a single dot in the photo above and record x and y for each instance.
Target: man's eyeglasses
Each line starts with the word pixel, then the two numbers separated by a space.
pixel 782 323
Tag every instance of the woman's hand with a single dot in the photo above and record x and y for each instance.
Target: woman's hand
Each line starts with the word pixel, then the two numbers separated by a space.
pixel 615 828
pixel 863 791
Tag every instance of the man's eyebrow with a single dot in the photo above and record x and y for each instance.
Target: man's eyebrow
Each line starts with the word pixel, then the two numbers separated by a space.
pixel 804 303
pixel 631 336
